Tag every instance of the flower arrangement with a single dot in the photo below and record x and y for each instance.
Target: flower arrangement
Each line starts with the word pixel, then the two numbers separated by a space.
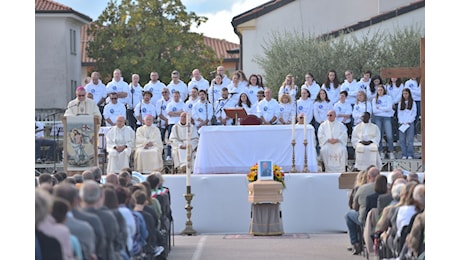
pixel 278 174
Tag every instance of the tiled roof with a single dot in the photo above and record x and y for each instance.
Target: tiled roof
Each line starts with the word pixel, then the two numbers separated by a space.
pixel 50 6
pixel 218 45
pixel 221 46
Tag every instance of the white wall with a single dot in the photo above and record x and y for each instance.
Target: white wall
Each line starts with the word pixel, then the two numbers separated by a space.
pixel 315 18
pixel 55 66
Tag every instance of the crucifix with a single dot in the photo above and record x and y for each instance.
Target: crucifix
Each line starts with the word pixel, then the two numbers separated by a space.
pixel 408 72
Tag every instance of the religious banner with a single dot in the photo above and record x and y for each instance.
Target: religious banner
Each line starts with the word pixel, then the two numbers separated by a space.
pixel 80 142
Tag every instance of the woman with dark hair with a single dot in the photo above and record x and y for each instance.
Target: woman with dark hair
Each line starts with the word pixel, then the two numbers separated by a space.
pixel 252 88
pixel 371 90
pixel 246 103
pixel 332 86
pixel 261 81
pixel 407 111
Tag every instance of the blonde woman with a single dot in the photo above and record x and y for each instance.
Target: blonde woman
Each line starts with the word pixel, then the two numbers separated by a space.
pixel 362 105
pixel 287 111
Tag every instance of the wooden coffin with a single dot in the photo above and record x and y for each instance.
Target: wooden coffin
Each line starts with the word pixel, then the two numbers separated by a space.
pixel 265 191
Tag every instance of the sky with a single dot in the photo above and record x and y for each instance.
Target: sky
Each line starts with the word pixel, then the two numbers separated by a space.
pixel 219 13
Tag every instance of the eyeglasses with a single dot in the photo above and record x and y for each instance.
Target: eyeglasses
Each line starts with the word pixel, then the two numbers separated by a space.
pixel 301 117
pixel 114 98
pixel 329 115
pixel 164 92
pixel 81 95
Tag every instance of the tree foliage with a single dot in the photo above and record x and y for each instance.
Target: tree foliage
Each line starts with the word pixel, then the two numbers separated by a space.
pixel 142 36
pixel 295 53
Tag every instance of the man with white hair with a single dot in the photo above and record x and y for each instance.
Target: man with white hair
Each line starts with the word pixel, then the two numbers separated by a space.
pixel 178 140
pixel 149 148
pixel 120 142
pixel 332 138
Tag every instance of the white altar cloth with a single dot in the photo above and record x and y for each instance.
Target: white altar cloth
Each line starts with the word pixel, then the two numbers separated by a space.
pixel 234 149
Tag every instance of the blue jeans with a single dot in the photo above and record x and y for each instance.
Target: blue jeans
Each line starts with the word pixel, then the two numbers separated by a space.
pixel 406 140
pixel 352 221
pixel 386 127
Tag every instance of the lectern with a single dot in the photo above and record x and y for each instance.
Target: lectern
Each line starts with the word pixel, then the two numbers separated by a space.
pixel 236 113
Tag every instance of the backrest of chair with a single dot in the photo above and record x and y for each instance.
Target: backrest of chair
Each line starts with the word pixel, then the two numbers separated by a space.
pixel 251 120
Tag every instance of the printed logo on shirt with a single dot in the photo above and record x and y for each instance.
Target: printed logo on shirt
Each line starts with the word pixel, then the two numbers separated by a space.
pixel 251 92
pixel 379 102
pixel 200 110
pixel 93 91
pixel 320 106
pixel 357 108
pixel 112 111
pixel 222 103
pixel 144 110
pixel 190 105
pixel 265 108
pixel 300 107
pixel 281 109
pixel 340 108
pixel 174 109
pixel 163 107
pixel 173 90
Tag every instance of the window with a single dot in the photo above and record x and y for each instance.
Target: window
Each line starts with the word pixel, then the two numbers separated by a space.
pixel 73 87
pixel 73 42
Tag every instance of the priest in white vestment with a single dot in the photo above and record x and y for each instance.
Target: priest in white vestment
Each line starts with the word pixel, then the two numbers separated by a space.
pixel 120 142
pixel 83 106
pixel 365 139
pixel 178 140
pixel 148 155
pixel 333 137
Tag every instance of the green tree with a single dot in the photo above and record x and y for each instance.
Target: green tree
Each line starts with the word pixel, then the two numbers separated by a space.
pixel 296 53
pixel 148 35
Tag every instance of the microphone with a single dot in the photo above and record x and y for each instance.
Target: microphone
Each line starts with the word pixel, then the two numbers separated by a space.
pixel 74 105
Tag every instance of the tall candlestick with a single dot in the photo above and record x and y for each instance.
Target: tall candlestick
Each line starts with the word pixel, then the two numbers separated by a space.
pixel 304 130
pixel 293 127
pixel 187 147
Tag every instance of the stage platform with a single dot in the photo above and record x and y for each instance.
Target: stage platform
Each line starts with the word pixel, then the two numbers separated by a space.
pixel 313 203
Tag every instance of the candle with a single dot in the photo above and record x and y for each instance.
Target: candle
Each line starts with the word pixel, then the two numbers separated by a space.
pixel 293 127
pixel 304 130
pixel 187 149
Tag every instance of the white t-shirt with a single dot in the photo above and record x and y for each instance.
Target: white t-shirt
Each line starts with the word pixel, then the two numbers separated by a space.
pixel 155 89
pixel 117 86
pixel 181 87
